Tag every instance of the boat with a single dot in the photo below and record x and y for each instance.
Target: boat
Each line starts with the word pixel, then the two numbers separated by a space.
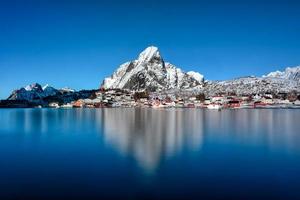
pixel 53 105
pixel 68 105
pixel 246 105
pixel 215 106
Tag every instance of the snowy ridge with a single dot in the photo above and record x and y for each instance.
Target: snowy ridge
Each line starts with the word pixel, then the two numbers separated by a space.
pixel 66 89
pixel 34 87
pixel 251 85
pixel 34 92
pixel 148 54
pixel 199 77
pixel 150 72
pixel 290 73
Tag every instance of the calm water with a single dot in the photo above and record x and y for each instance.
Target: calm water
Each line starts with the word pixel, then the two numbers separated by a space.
pixel 154 154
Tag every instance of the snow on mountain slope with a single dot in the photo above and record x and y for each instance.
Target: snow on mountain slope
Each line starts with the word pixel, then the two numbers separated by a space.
pixel 49 91
pixel 33 92
pixel 150 72
pixel 251 85
pixel 199 77
pixel 290 73
pixel 275 82
pixel 30 92
pixel 34 87
pixel 66 90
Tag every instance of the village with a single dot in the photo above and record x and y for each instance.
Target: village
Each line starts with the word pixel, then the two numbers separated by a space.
pixel 125 98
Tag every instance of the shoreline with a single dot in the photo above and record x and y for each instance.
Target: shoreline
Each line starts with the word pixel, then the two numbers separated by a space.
pixel 160 108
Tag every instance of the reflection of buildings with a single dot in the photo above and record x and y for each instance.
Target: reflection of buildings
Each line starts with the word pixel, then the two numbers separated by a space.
pixel 148 135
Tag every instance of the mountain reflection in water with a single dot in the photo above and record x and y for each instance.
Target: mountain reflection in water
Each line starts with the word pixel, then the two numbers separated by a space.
pixel 149 135
pixel 148 153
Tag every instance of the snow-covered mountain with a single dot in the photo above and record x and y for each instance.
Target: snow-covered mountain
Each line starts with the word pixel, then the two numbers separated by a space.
pixel 66 90
pixel 33 92
pixel 49 91
pixel 152 73
pixel 251 85
pixel 275 82
pixel 290 73
pixel 196 75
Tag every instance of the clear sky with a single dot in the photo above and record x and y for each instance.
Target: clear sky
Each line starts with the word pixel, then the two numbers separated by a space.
pixel 77 43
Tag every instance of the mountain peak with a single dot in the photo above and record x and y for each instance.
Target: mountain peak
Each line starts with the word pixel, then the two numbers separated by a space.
pixel 149 53
pixel 36 92
pixel 34 86
pixel 290 73
pixel 150 72
pixel 46 86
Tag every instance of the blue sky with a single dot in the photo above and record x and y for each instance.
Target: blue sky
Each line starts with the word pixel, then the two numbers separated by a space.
pixel 78 43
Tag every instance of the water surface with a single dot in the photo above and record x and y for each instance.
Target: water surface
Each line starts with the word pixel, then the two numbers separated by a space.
pixel 132 153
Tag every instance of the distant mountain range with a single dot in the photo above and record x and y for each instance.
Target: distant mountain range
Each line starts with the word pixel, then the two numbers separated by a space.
pixel 150 72
pixel 35 93
pixel 290 73
pixel 274 82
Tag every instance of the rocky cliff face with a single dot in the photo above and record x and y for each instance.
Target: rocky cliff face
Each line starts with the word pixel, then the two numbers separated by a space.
pixel 151 72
